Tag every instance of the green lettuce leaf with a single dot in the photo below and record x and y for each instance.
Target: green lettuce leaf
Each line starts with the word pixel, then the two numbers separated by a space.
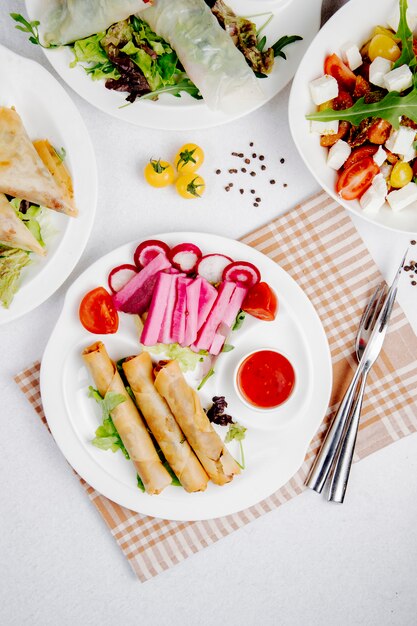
pixel 90 51
pixel 186 358
pixel 107 437
pixel 30 218
pixel 238 432
pixel 12 262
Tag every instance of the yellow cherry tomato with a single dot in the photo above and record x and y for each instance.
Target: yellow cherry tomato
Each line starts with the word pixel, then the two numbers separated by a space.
pixel 159 173
pixel 325 105
pixel 188 158
pixel 190 186
pixel 383 46
pixel 380 30
pixel 401 175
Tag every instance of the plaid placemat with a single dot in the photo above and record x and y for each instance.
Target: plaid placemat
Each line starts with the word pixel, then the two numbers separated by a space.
pixel 319 246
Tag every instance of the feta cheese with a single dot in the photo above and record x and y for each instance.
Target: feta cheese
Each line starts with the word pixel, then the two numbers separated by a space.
pixel 401 140
pixel 338 154
pixel 386 170
pixel 351 55
pixel 402 198
pixel 380 156
pixel 399 79
pixel 374 197
pixel 324 128
pixel 377 70
pixel 410 155
pixel 324 89
pixel 394 19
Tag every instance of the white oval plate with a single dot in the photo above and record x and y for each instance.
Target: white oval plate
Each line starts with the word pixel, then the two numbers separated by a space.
pixel 355 23
pixel 48 112
pixel 276 442
pixel 185 113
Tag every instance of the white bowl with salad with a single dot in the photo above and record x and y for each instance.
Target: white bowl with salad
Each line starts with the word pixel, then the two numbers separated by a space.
pixel 353 111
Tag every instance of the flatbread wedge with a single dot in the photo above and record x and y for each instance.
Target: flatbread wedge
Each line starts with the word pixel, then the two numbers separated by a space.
pixel 13 232
pixel 22 172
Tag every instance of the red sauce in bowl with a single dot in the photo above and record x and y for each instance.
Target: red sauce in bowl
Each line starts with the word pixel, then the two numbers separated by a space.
pixel 266 379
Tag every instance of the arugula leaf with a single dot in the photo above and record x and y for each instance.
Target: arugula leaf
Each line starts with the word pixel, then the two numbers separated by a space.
pixel 29 27
pixel 183 84
pixel 391 108
pixel 205 379
pixel 141 486
pixel 228 347
pixel 238 432
pixel 261 44
pixel 284 41
pixel 240 318
pixel 406 36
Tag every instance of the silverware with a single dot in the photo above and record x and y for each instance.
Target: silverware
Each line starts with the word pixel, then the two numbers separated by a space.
pixel 329 7
pixel 343 463
pixel 324 461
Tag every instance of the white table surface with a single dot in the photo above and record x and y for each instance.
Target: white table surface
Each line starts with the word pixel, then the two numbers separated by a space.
pixel 308 562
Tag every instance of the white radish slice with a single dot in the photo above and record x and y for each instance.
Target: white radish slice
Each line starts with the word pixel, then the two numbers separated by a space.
pixel 120 276
pixel 185 257
pixel 148 250
pixel 211 267
pixel 243 273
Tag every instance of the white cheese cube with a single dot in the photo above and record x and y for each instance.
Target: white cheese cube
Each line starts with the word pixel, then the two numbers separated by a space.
pixel 410 155
pixel 386 170
pixel 324 89
pixel 399 79
pixel 377 71
pixel 401 140
pixel 374 197
pixel 338 154
pixel 324 128
pixel 380 156
pixel 351 55
pixel 394 19
pixel 402 198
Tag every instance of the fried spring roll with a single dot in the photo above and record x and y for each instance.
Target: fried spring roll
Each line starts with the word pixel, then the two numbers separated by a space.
pixel 127 420
pixel 186 407
pixel 176 449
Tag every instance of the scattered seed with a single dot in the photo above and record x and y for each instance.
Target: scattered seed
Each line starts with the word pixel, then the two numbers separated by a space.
pixel 253 173
pixel 241 155
pixel 282 160
pixel 232 171
pixel 251 144
pixel 257 199
pixel 413 282
pixel 242 191
pixel 285 185
pixel 254 155
pixel 263 167
pixel 230 185
pixel 413 242
pixel 252 191
pixel 407 268
pixel 272 182
pixel 255 204
pixel 244 170
pixel 247 161
pixel 235 154
pixel 218 171
pixel 227 188
pixel 261 157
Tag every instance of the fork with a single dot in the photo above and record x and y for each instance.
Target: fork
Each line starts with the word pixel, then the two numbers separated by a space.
pixel 324 461
pixel 341 468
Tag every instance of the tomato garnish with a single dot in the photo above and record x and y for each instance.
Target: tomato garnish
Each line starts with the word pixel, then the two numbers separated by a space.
pixel 343 101
pixel 97 312
pixel 334 66
pixel 379 131
pixel 261 302
pixel 359 153
pixel 362 87
pixel 356 179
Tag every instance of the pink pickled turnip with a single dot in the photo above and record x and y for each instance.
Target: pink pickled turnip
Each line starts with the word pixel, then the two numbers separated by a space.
pixel 207 333
pixel 120 276
pixel 211 267
pixel 148 250
pixel 179 315
pixel 229 317
pixel 165 335
pixel 243 273
pixel 193 300
pixel 154 319
pixel 208 296
pixel 136 295
pixel 185 257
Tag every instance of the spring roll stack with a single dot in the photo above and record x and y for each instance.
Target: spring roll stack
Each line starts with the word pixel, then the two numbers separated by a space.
pixel 186 407
pixel 160 420
pixel 127 420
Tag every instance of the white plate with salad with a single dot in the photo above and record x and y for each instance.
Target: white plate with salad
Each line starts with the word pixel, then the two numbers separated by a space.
pixel 196 323
pixel 142 72
pixel 353 113
pixel 48 185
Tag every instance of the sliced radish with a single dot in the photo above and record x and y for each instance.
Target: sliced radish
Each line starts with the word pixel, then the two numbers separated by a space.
pixel 211 267
pixel 148 250
pixel 243 273
pixel 185 256
pixel 120 276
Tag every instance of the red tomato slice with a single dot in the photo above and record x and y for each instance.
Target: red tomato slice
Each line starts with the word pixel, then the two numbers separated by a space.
pixel 359 153
pixel 97 312
pixel 334 66
pixel 356 179
pixel 261 302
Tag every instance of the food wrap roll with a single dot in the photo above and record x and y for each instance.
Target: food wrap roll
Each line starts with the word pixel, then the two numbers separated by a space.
pixel 65 21
pixel 186 407
pixel 127 420
pixel 207 53
pixel 175 447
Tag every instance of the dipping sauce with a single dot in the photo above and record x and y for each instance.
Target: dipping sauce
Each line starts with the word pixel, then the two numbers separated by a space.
pixel 266 379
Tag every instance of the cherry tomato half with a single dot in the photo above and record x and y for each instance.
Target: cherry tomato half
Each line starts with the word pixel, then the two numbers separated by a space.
pixel 359 153
pixel 97 312
pixel 261 302
pixel 356 179
pixel 334 66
